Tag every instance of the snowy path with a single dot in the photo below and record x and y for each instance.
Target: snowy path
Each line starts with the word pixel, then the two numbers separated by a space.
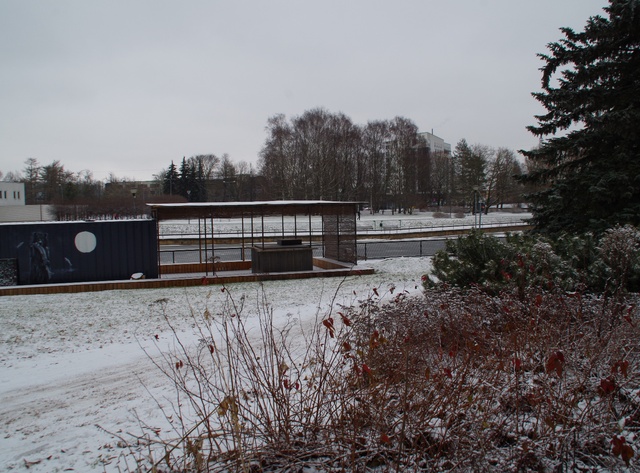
pixel 71 362
pixel 54 423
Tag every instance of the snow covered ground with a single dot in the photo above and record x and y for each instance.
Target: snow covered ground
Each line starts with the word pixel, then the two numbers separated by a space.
pixel 73 367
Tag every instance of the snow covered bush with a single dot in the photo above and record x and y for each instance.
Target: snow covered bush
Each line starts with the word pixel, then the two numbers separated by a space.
pixel 567 263
pixel 467 381
pixel 473 259
pixel 618 265
pixel 460 380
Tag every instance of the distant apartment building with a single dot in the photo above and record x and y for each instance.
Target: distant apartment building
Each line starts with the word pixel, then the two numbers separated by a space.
pixel 11 193
pixel 435 143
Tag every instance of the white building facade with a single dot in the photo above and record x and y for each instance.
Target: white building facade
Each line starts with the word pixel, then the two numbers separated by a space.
pixel 13 208
pixel 11 193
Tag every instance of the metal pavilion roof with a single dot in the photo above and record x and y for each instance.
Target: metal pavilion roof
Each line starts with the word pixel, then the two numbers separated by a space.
pixel 245 209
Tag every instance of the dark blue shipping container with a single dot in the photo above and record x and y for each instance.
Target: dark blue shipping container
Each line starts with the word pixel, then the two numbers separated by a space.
pixel 57 252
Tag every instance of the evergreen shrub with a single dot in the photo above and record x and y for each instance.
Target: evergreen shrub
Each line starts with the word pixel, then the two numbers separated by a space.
pixel 609 264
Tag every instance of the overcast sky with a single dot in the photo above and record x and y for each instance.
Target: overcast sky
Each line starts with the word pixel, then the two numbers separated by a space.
pixel 127 86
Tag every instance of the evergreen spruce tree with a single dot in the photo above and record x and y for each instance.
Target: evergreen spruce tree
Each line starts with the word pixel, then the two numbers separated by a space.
pixel 191 186
pixel 588 161
pixel 187 185
pixel 183 178
pixel 199 193
pixel 472 170
pixel 170 180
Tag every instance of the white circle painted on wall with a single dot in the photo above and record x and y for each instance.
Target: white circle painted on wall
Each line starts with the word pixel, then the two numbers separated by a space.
pixel 85 242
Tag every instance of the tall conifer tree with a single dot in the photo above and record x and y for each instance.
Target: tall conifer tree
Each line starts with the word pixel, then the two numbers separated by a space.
pixel 170 180
pixel 588 161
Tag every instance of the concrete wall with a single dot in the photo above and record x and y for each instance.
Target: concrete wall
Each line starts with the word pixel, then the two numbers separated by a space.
pixel 26 213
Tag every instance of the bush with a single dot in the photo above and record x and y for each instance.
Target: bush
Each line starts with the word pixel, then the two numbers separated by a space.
pixel 474 259
pixel 456 381
pixel 467 381
pixel 610 265
pixel 618 264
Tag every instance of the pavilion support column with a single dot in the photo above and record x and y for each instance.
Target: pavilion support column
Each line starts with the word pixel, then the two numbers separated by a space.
pixel 155 216
pixel 242 238
pixel 200 241
pixel 324 236
pixel 310 232
pixel 252 230
pixel 282 224
pixel 206 247
pixel 213 251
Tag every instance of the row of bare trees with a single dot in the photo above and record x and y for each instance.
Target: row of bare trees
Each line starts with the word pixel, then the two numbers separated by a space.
pixel 322 155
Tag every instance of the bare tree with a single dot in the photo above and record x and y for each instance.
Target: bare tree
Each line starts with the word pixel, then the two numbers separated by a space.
pixel 374 136
pixel 313 157
pixel 11 176
pixel 441 178
pixel 402 151
pixel 227 173
pixel 504 168
pixel 208 163
pixel 245 181
pixel 276 159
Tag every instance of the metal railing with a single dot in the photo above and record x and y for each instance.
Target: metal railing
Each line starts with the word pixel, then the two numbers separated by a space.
pixel 366 251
